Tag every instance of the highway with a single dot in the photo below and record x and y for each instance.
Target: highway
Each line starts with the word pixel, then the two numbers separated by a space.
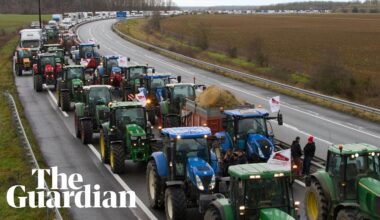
pixel 54 129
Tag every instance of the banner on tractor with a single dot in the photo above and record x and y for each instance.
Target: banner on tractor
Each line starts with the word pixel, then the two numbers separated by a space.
pixel 122 61
pixel 281 159
pixel 141 97
pixel 274 103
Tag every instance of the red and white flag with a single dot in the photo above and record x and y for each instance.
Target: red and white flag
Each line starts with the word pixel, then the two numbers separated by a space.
pixel 281 159
pixel 274 103
pixel 122 61
pixel 141 97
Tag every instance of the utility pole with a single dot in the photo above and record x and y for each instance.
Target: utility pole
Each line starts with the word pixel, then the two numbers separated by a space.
pixel 39 13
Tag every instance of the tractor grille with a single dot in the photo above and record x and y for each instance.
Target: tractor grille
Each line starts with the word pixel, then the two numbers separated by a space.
pixel 265 147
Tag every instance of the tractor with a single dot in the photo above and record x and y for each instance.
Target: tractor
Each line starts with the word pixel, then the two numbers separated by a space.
pixel 22 60
pixel 182 175
pixel 109 72
pixel 52 34
pixel 247 130
pixel 349 187
pixel 92 111
pixel 133 80
pixel 70 86
pixel 68 40
pixel 126 135
pixel 87 56
pixel 173 101
pixel 256 191
pixel 46 71
pixel 60 55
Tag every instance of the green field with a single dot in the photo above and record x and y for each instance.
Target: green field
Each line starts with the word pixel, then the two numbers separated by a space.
pixel 15 168
pixel 336 54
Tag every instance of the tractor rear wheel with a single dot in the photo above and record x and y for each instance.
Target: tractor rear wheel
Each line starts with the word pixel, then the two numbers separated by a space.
pixel 212 213
pixel 316 207
pixel 155 194
pixel 86 131
pixel 77 126
pixel 175 203
pixel 117 158
pixel 38 83
pixel 346 214
pixel 104 147
pixel 65 100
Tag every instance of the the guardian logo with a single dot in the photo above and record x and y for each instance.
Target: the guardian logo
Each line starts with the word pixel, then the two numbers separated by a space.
pixel 64 191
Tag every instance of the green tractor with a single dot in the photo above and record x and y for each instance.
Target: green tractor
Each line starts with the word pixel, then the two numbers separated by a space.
pixel 256 191
pixel 92 111
pixel 349 186
pixel 132 81
pixel 70 86
pixel 60 55
pixel 125 136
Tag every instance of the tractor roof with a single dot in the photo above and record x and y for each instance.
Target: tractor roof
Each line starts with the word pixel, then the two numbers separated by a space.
pixel 179 84
pixel 157 75
pixel 73 66
pixel 247 113
pixel 87 44
pixel 354 148
pixel 112 56
pixel 46 55
pixel 96 86
pixel 186 132
pixel 257 170
pixel 125 104
pixel 52 45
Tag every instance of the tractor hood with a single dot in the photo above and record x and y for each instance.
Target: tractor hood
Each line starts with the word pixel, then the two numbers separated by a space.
pixel 369 196
pixel 200 173
pixel 135 130
pixel 259 146
pixel 274 214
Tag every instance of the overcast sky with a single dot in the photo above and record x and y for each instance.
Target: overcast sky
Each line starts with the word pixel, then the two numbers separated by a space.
pixel 234 2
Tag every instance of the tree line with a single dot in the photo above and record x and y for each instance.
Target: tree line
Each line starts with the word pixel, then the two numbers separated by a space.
pixel 59 6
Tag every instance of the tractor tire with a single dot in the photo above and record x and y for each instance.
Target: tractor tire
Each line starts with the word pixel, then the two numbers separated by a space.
pixel 19 70
pixel 38 83
pixel 155 194
pixel 212 213
pixel 77 126
pixel 117 158
pixel 152 117
pixel 104 147
pixel 175 203
pixel 346 214
pixel 65 100
pixel 316 204
pixel 86 131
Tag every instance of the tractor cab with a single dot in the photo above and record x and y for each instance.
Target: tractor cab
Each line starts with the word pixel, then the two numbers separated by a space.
pixel 45 48
pixel 109 71
pixel 96 98
pixel 257 191
pixel 59 53
pixel 87 50
pixel 73 78
pixel 248 130
pixel 46 63
pixel 23 60
pixel 124 115
pixel 348 186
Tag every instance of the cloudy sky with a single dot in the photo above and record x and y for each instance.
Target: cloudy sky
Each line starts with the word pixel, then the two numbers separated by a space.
pixel 233 2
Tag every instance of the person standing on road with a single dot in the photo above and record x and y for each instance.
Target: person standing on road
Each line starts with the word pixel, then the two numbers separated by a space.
pixel 309 151
pixel 296 154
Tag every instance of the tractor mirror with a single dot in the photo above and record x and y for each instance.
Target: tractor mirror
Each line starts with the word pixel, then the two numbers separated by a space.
pixel 98 46
pixel 128 59
pixel 279 119
pixel 153 70
pixel 179 78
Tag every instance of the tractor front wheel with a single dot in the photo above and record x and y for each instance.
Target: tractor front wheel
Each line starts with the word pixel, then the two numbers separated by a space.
pixel 117 158
pixel 175 203
pixel 315 202
pixel 38 83
pixel 212 213
pixel 104 147
pixel 65 100
pixel 155 194
pixel 86 131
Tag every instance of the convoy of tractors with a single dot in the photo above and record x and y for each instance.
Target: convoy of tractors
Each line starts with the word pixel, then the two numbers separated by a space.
pixel 155 118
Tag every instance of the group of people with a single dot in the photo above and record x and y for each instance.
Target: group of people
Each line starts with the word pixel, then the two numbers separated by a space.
pixel 308 152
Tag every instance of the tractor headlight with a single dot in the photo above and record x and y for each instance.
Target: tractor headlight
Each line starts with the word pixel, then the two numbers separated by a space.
pixel 134 144
pixel 199 183
pixel 212 183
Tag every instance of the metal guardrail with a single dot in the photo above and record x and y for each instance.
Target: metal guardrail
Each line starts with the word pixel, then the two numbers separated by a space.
pixel 25 142
pixel 247 75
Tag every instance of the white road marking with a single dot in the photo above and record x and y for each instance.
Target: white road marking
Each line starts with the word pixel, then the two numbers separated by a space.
pixel 124 185
pixel 300 183
pixel 55 101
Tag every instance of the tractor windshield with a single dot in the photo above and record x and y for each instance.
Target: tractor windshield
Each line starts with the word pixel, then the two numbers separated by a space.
pixel 87 51
pixel 136 72
pixel 132 115
pixel 111 63
pixel 75 73
pixel 251 126
pixel 30 43
pixel 47 60
pixel 267 193
pixel 99 96
pixel 159 82
pixel 183 91
pixel 196 147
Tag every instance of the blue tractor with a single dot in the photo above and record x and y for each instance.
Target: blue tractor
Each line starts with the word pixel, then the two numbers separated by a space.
pixel 182 175
pixel 109 71
pixel 246 130
pixel 87 56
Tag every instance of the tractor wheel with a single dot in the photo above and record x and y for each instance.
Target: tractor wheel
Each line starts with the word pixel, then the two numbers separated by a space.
pixel 212 213
pixel 104 147
pixel 175 203
pixel 38 83
pixel 155 194
pixel 346 214
pixel 152 117
pixel 65 100
pixel 117 158
pixel 19 70
pixel 315 202
pixel 77 126
pixel 86 131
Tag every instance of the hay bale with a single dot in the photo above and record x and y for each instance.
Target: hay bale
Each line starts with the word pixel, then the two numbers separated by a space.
pixel 215 97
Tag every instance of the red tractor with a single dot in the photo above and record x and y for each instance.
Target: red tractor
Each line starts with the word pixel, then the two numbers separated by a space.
pixel 46 71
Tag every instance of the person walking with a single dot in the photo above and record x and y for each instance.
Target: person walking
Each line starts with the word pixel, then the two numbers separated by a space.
pixel 309 151
pixel 296 151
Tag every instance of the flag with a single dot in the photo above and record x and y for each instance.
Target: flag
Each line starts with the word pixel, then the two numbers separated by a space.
pixel 274 103
pixel 141 97
pixel 122 61
pixel 281 159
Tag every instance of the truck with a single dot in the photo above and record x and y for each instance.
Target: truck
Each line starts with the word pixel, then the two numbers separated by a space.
pixel 32 39
pixel 57 18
